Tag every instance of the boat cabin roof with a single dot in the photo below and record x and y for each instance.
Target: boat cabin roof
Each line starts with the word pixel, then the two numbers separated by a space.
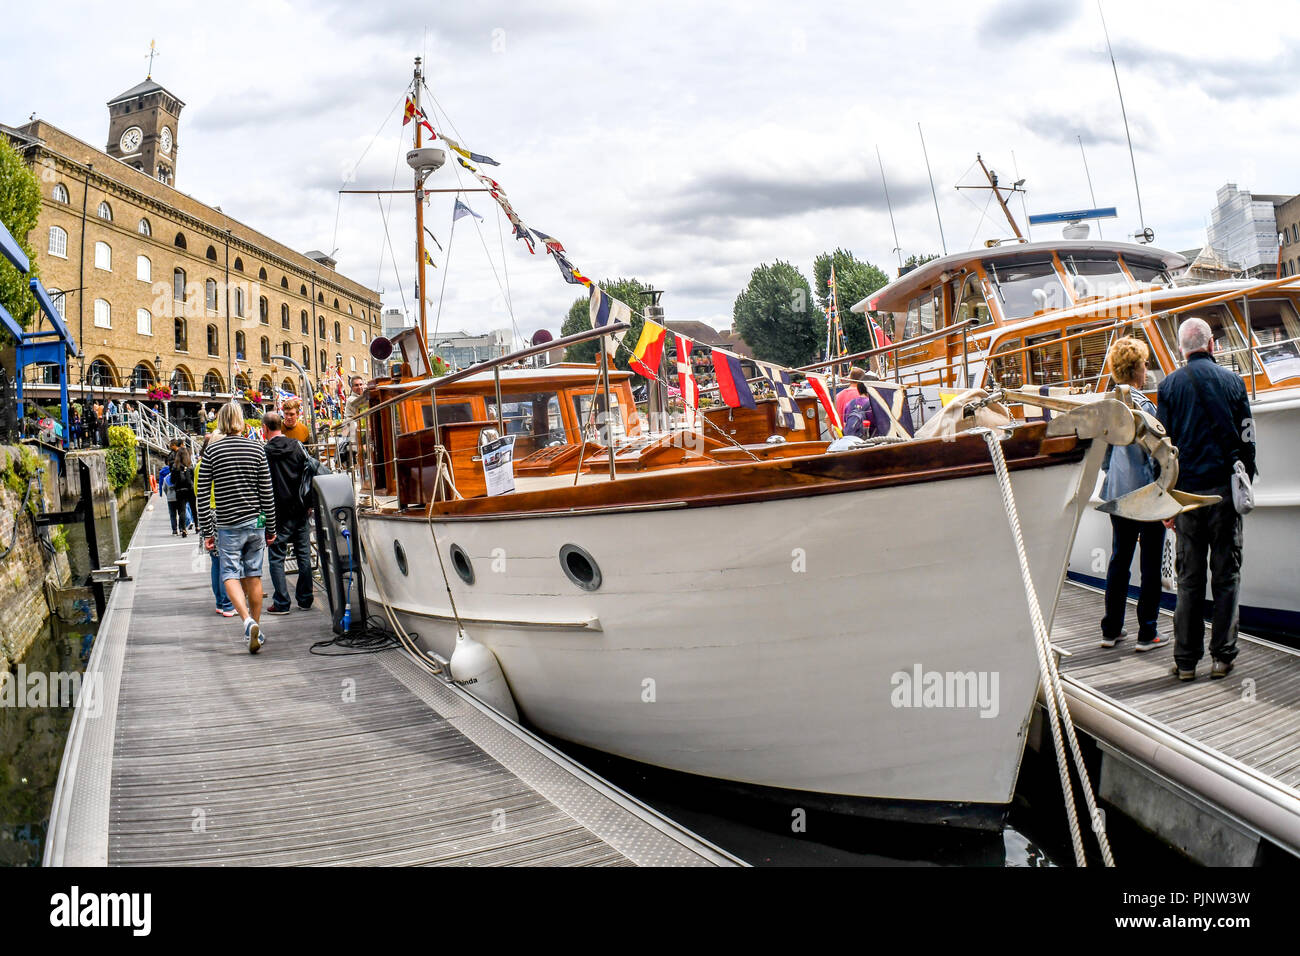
pixel 567 374
pixel 895 296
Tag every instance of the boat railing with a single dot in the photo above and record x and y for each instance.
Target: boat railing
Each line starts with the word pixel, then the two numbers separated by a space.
pixel 961 328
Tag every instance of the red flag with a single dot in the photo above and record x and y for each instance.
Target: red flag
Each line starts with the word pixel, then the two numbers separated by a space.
pixel 649 350
pixel 690 388
pixel 409 113
pixel 818 384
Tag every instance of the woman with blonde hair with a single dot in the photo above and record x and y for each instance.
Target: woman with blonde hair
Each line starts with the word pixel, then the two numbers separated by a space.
pixel 1127 469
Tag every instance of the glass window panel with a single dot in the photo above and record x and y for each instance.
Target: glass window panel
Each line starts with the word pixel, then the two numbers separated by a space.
pixel 1026 288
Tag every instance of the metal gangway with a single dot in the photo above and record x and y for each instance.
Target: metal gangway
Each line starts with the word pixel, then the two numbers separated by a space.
pixel 152 429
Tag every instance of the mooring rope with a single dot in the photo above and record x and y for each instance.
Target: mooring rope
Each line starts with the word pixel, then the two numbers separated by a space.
pixel 1057 710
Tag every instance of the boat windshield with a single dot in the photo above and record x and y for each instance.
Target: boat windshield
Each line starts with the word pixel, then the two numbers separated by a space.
pixel 1147 274
pixel 1026 287
pixel 1097 277
pixel 534 418
pixel 596 428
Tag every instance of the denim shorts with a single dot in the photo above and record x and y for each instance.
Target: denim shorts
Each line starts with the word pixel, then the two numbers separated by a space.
pixel 239 551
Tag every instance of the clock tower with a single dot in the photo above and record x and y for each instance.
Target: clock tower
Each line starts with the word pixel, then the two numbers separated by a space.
pixel 142 129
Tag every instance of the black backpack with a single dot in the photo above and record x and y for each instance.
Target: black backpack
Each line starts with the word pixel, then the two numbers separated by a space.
pixel 310 469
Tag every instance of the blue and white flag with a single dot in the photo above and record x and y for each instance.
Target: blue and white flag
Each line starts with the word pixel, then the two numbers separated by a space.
pixel 462 210
pixel 604 310
pixel 780 381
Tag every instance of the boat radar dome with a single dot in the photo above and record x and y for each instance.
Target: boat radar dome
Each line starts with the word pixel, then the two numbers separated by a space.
pixel 426 159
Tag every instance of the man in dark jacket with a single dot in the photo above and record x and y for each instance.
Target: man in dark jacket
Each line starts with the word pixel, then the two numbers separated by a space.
pixel 1206 412
pixel 288 460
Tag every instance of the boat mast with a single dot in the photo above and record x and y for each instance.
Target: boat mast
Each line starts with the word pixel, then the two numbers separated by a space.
pixel 993 184
pixel 419 225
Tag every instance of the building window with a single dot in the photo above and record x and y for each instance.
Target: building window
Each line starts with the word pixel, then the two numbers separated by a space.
pixel 144 228
pixel 182 340
pixel 286 350
pixel 284 315
pixel 323 360
pixel 320 297
pixel 306 357
pixel 239 301
pixel 352 363
pixel 352 335
pixel 363 336
pixel 239 264
pixel 266 351
pixel 239 346
pixel 104 256
pixel 210 294
pixel 365 366
pixel 284 282
pixel 178 285
pixel 144 321
pixel 305 321
pixel 336 305
pixel 214 343
pixel 179 241
pixel 212 383
pixel 261 275
pixel 60 193
pixel 142 377
pixel 103 314
pixel 105 212
pixel 101 373
pixel 60 302
pixel 211 253
pixel 58 242
pixel 264 386
pixel 302 290
pixel 338 332
pixel 338 359
pixel 143 269
pixel 320 324
pixel 350 312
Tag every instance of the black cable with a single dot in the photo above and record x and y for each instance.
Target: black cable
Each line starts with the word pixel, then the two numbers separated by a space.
pixel 372 639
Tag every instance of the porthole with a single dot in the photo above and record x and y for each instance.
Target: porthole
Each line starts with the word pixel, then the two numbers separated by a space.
pixel 460 561
pixel 400 553
pixel 580 567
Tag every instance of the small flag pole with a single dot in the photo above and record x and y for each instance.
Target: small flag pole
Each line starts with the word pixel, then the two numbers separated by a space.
pixel 419 232
pixel 609 406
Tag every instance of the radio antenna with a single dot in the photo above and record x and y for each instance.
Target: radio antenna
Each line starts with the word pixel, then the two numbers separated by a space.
pixel 942 240
pixel 1146 235
pixel 1091 194
pixel 898 250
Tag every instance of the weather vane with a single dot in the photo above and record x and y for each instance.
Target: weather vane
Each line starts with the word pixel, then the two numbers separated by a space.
pixel 152 53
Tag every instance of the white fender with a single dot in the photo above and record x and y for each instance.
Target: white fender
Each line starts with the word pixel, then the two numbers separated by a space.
pixel 476 668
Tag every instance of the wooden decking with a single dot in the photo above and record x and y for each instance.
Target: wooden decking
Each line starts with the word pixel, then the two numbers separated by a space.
pixel 1235 741
pixel 204 754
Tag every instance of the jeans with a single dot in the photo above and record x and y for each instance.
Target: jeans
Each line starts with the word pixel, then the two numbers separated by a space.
pixel 298 533
pixel 1216 528
pixel 186 507
pixel 218 591
pixel 171 513
pixel 1125 535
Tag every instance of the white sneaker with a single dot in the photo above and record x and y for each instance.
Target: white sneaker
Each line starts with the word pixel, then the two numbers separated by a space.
pixel 253 633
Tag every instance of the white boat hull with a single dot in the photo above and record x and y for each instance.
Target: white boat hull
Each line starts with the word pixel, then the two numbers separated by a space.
pixel 1270 584
pixel 762 643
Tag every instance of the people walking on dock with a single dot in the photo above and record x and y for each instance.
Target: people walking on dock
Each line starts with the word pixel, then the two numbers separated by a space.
pixel 182 477
pixel 232 492
pixel 224 606
pixel 1129 468
pixel 1206 411
pixel 287 460
pixel 169 495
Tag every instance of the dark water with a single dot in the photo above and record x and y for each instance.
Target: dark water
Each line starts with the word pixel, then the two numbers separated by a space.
pixel 32 738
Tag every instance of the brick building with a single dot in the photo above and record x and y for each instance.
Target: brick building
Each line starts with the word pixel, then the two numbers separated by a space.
pixel 161 289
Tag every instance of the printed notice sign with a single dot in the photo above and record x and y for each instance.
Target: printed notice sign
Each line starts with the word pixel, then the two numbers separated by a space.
pixel 499 465
pixel 1280 361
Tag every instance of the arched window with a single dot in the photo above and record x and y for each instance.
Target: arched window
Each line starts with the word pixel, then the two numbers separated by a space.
pixel 352 335
pixel 211 253
pixel 264 310
pixel 320 323
pixel 144 228
pixel 58 242
pixel 60 302
pixel 142 376
pixel 214 342
pixel 241 382
pixel 103 314
pixel 101 373
pixel 181 381
pixel 306 357
pixel 365 366
pixel 240 306
pixel 179 241
pixel 105 212
pixel 264 386
pixel 284 282
pixel 60 193
pixel 104 256
pixel 352 363
pixel 212 383
pixel 336 304
pixel 261 275
pixel 144 321
pixel 338 359
pixel 182 335
pixel 350 312
pixel 266 351
pixel 305 321
pixel 143 269
pixel 323 361
pixel 302 290
pixel 320 297
pixel 284 315
pixel 239 264
pixel 178 285
pixel 338 332
pixel 239 346
pixel 286 349
pixel 363 336
pixel 210 295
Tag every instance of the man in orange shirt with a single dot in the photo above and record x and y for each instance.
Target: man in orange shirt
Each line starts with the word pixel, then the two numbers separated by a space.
pixel 293 426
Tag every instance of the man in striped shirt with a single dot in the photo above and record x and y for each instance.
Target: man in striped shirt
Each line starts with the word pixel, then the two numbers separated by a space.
pixel 236 477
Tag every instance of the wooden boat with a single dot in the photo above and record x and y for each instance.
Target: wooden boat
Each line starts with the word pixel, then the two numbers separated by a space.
pixel 1043 315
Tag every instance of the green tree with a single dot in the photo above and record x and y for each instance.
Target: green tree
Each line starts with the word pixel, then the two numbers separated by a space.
pixel 917 260
pixel 855 279
pixel 20 207
pixel 775 315
pixel 627 291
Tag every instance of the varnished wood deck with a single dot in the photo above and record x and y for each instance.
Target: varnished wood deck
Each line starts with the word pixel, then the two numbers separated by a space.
pixel 1251 717
pixel 207 755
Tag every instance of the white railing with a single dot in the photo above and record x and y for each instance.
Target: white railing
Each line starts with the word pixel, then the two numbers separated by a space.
pixel 152 429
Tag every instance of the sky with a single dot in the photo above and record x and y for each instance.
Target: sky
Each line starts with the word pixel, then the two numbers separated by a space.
pixel 680 143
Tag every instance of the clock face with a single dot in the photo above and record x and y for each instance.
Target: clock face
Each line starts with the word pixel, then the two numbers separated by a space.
pixel 166 139
pixel 130 140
